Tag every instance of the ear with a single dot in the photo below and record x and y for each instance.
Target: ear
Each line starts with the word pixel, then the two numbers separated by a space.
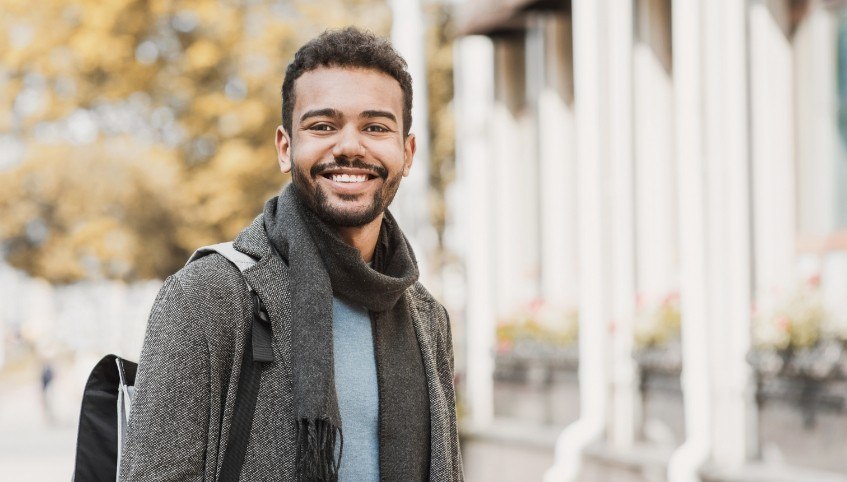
pixel 283 149
pixel 409 147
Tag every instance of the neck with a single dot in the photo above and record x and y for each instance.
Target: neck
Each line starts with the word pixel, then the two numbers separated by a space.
pixel 363 238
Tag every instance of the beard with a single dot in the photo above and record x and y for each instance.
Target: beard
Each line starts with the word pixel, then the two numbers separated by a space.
pixel 318 200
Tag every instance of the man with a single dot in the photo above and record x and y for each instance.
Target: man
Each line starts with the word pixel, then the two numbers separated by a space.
pixel 360 387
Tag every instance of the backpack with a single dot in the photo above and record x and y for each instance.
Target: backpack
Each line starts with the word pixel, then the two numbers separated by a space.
pixel 108 394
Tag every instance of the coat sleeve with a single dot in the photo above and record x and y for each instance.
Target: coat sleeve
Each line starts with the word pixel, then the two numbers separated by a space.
pixel 169 420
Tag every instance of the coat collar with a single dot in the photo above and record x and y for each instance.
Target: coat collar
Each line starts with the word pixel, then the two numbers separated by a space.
pixel 269 279
pixel 253 240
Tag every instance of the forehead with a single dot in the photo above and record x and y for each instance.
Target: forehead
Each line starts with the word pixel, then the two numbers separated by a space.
pixel 349 90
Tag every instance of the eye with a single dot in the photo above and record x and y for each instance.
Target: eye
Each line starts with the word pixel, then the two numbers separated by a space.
pixel 377 128
pixel 321 127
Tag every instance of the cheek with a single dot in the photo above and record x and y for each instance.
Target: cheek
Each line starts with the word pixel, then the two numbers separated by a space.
pixel 306 153
pixel 391 156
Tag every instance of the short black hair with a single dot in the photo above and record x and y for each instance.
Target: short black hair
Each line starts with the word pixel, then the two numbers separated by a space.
pixel 347 47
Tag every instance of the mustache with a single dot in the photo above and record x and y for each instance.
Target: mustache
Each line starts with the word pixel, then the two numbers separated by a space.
pixel 341 162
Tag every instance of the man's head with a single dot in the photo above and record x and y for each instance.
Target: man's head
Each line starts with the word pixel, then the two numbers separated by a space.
pixel 350 48
pixel 345 135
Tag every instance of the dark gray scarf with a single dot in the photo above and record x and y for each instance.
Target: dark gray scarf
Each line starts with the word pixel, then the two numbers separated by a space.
pixel 321 265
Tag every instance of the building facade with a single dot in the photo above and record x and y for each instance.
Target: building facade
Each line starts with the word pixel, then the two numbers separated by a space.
pixel 674 173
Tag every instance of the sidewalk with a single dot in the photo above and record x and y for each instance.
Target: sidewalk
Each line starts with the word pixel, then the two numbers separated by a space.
pixel 508 451
pixel 31 449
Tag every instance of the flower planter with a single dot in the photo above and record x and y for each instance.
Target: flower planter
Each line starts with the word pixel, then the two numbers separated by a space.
pixel 662 405
pixel 801 397
pixel 537 383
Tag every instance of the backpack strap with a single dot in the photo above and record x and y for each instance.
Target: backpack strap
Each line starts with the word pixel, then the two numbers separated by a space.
pixel 241 260
pixel 261 329
pixel 256 353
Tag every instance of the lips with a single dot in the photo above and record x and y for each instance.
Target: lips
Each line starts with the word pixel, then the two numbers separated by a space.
pixel 349 171
pixel 347 181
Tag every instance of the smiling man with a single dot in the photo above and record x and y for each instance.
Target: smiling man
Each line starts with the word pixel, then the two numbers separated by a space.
pixel 351 148
pixel 356 384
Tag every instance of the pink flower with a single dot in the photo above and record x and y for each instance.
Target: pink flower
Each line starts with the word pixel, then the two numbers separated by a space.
pixel 504 346
pixel 535 305
pixel 671 297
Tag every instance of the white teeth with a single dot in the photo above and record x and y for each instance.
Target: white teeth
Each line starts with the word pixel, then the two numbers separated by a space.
pixel 349 177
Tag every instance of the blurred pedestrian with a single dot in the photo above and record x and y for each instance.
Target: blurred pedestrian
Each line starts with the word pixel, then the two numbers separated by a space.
pixel 46 376
pixel 360 387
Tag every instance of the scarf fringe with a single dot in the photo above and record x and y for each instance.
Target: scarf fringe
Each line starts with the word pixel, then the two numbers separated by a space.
pixel 316 461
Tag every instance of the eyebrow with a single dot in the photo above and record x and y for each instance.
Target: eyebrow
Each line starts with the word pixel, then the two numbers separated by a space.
pixel 335 114
pixel 370 114
pixel 328 112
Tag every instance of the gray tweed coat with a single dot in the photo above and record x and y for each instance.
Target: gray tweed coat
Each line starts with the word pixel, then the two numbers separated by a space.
pixel 188 375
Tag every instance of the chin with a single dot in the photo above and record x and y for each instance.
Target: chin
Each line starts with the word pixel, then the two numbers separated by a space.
pixel 348 220
pixel 347 216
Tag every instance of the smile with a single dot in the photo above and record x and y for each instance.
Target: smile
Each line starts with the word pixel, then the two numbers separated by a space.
pixel 351 178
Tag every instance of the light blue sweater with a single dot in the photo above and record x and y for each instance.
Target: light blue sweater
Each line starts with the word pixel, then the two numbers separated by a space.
pixel 358 391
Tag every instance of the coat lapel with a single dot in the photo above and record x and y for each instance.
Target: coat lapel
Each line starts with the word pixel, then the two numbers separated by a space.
pixel 440 463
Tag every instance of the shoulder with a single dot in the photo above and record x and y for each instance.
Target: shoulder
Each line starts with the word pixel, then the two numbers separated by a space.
pixel 433 315
pixel 422 297
pixel 210 273
pixel 214 292
pixel 426 304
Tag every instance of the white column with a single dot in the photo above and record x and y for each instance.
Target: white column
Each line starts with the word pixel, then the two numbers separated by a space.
pixel 513 164
pixel 727 162
pixel 818 148
pixel 653 143
pixel 590 75
pixel 622 226
pixel 529 196
pixel 410 206
pixel 474 74
pixel 589 56
pixel 715 228
pixel 557 165
pixel 772 137
pixel 688 151
pixel 817 121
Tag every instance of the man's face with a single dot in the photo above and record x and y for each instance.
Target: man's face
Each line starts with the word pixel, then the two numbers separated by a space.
pixel 346 150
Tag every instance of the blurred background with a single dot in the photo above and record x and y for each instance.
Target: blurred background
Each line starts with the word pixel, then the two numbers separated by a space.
pixel 635 212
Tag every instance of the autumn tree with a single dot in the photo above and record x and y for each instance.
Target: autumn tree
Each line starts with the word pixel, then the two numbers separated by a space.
pixel 142 129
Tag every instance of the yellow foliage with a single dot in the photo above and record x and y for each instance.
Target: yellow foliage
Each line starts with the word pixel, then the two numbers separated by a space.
pixel 181 101
pixel 82 211
pixel 538 324
pixel 799 321
pixel 202 55
pixel 659 323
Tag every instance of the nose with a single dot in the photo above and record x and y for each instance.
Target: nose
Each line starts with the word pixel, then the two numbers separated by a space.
pixel 349 143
